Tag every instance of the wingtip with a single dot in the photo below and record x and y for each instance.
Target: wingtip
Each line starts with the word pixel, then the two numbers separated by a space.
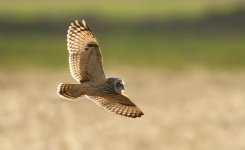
pixel 131 115
pixel 60 95
pixel 84 23
pixel 59 89
pixel 77 22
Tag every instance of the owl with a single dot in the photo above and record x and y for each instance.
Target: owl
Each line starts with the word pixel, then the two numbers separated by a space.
pixel 85 63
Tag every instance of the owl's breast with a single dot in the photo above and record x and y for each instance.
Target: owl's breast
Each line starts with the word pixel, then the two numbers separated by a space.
pixel 95 89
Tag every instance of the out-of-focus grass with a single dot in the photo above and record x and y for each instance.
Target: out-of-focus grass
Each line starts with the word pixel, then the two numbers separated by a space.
pixel 177 51
pixel 32 50
pixel 30 10
pixel 166 50
pixel 152 50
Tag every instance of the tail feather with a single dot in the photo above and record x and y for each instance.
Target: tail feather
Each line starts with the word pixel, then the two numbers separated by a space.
pixel 69 91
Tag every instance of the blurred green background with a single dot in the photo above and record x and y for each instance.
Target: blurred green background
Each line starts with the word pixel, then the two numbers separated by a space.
pixel 160 34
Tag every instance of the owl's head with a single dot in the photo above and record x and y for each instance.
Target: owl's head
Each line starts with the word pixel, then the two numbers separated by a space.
pixel 117 84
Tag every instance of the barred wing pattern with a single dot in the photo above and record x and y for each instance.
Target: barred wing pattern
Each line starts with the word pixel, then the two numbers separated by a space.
pixel 85 63
pixel 119 104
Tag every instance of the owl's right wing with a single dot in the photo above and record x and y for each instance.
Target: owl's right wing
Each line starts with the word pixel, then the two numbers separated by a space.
pixel 85 60
pixel 119 104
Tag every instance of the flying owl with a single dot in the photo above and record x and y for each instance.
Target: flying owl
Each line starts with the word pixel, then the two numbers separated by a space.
pixel 85 63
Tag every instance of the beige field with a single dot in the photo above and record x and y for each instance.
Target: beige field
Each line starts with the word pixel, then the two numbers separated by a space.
pixel 189 110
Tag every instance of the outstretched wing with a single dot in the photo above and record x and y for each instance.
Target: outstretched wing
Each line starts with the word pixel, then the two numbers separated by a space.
pixel 119 104
pixel 85 60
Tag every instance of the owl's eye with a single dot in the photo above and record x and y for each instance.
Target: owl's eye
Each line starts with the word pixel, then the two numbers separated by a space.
pixel 118 84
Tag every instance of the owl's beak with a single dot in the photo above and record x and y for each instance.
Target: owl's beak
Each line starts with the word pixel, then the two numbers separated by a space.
pixel 122 85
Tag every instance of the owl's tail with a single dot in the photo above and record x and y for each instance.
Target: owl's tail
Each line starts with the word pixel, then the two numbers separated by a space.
pixel 69 91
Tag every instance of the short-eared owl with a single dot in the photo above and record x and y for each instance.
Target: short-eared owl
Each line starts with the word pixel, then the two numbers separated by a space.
pixel 85 63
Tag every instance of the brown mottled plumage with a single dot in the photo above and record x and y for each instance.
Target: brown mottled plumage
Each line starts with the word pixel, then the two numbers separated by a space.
pixel 85 63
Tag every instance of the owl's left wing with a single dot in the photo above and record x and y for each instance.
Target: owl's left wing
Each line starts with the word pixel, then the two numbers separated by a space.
pixel 119 104
pixel 85 59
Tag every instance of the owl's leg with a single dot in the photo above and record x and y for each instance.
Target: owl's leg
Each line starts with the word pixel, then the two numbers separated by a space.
pixel 69 91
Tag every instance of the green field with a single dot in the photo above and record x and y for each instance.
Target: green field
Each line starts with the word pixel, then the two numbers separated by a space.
pixel 219 49
pixel 173 51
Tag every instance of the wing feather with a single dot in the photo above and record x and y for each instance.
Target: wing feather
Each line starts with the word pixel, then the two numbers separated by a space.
pixel 119 104
pixel 84 63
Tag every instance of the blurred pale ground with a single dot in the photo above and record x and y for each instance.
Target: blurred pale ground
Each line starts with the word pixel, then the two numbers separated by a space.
pixel 188 110
pixel 182 61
